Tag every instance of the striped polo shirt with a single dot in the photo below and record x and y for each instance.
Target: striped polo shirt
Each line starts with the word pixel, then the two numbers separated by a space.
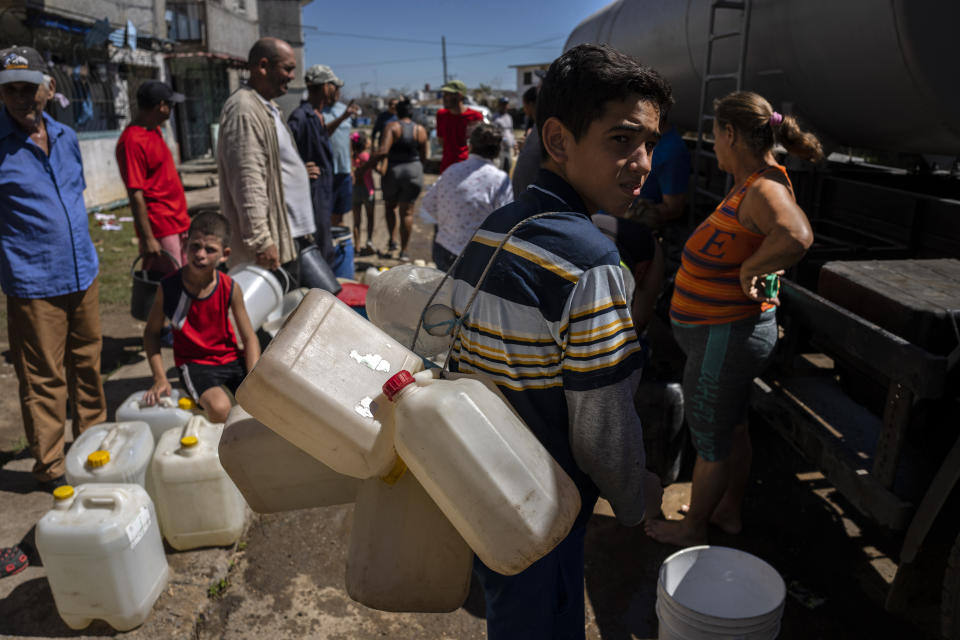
pixel 707 287
pixel 552 316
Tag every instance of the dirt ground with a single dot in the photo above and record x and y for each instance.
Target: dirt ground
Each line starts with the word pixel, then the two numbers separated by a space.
pixel 285 578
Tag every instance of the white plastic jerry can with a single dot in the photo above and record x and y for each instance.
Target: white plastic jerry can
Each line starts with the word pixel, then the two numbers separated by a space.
pixel 101 548
pixel 318 384
pixel 272 474
pixel 170 412
pixel 404 554
pixel 484 468
pixel 114 452
pixel 197 503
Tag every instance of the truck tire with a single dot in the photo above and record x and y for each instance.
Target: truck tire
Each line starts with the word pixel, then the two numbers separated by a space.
pixel 950 599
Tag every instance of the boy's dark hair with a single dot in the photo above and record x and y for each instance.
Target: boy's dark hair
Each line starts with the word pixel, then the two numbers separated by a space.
pixel 581 82
pixel 530 96
pixel 211 223
pixel 404 108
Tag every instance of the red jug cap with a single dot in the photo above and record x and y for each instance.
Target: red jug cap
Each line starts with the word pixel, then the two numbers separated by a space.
pixel 397 381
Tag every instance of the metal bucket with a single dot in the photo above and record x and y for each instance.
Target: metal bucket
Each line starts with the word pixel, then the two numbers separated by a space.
pixel 145 285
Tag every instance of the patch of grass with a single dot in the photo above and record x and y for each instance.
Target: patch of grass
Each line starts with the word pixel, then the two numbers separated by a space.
pixel 216 589
pixel 19 445
pixel 116 250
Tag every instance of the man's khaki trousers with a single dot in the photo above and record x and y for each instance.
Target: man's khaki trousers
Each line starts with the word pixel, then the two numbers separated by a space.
pixel 55 344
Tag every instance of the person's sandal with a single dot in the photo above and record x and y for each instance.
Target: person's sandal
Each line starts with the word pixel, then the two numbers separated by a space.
pixel 12 560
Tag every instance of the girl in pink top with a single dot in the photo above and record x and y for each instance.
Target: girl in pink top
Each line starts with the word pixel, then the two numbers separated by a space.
pixel 362 191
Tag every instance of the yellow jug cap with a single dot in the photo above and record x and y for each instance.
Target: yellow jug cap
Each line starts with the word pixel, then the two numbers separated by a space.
pixel 186 403
pixel 189 441
pixel 98 458
pixel 398 469
pixel 63 493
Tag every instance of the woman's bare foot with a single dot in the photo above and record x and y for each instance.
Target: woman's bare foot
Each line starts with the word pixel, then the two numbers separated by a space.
pixel 728 523
pixel 676 532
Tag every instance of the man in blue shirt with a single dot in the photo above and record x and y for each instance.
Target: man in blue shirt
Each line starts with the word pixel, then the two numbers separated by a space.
pixel 335 117
pixel 48 266
pixel 313 142
pixel 664 194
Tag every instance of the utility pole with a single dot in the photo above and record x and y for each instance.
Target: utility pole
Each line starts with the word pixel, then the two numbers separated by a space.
pixel 443 43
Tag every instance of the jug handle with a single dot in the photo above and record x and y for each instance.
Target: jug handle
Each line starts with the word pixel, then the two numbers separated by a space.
pixel 112 502
pixel 192 428
pixel 476 289
pixel 111 437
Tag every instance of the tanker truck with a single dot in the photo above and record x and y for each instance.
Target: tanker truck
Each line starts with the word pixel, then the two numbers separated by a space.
pixel 870 316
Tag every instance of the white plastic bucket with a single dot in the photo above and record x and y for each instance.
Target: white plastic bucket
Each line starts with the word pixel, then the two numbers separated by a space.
pixel 711 593
pixel 262 292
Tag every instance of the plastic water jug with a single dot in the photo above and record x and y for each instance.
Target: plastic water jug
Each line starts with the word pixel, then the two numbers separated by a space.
pixel 484 468
pixel 262 292
pixel 272 474
pixel 170 412
pixel 318 384
pixel 197 503
pixel 397 297
pixel 279 315
pixel 404 553
pixel 101 548
pixel 113 452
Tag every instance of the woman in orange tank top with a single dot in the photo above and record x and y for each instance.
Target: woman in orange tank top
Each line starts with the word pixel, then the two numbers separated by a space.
pixel 720 315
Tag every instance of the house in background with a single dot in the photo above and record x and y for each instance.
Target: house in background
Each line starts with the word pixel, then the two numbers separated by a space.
pixel 209 59
pixel 282 19
pixel 99 52
pixel 527 75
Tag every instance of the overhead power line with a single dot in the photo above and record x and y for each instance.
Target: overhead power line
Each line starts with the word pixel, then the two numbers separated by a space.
pixel 340 34
pixel 503 49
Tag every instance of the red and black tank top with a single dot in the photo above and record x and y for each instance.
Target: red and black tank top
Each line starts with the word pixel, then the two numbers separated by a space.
pixel 707 287
pixel 202 332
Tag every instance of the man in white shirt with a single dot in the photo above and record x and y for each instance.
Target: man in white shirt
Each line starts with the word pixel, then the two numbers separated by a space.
pixel 505 121
pixel 466 193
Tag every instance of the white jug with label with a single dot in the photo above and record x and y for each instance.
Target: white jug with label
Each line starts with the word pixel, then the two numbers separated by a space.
pixel 103 555
pixel 318 384
pixel 272 474
pixel 113 452
pixel 404 553
pixel 197 503
pixel 170 412
pixel 501 489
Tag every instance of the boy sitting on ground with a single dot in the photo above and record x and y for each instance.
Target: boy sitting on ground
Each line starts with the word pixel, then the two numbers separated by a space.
pixel 196 300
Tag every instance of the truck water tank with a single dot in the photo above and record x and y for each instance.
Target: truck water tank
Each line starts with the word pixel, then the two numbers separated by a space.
pixel 860 73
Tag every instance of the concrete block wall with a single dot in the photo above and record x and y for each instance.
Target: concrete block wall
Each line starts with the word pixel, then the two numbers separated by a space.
pixel 230 33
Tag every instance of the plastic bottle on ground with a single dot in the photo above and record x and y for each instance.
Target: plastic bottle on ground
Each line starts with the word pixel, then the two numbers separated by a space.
pixel 166 414
pixel 103 555
pixel 112 452
pixel 197 503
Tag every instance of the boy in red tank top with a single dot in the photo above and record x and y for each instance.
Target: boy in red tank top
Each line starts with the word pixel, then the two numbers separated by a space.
pixel 196 300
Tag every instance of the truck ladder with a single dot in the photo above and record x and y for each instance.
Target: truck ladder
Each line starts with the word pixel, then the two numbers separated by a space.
pixel 700 154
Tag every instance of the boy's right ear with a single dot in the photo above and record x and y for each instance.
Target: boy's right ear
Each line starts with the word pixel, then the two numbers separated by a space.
pixel 555 140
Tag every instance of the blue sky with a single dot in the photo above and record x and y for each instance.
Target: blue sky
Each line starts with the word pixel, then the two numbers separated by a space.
pixel 542 26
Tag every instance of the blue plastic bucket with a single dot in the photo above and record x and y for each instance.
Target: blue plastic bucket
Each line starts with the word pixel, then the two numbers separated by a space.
pixel 343 252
